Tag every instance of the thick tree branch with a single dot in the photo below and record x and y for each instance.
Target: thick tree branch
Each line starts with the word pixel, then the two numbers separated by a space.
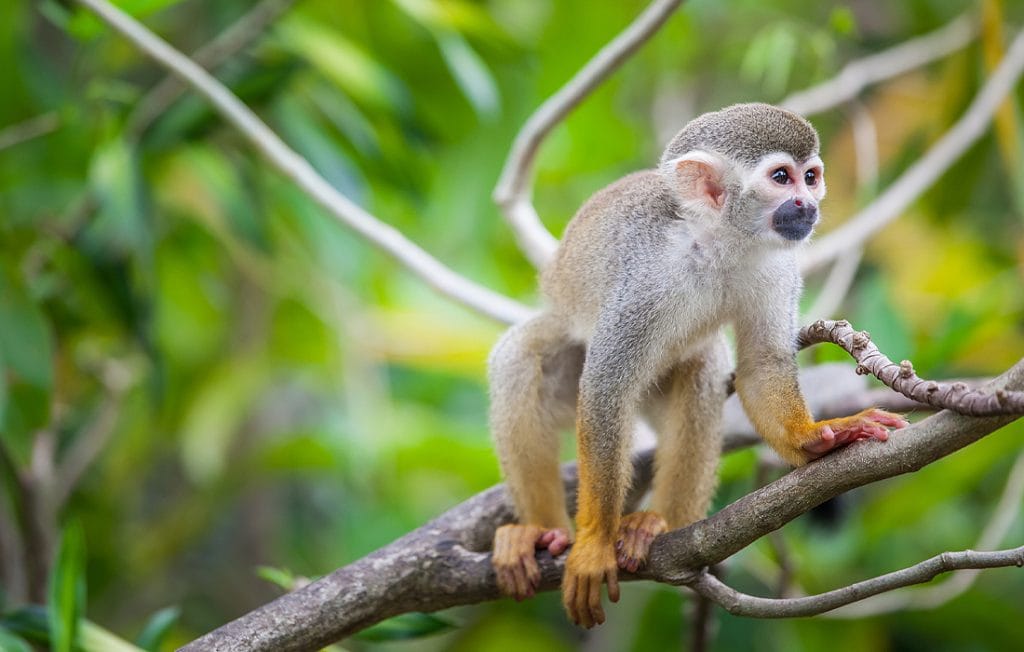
pixel 290 164
pixel 897 60
pixel 512 194
pixel 445 563
pixel 741 604
pixel 925 171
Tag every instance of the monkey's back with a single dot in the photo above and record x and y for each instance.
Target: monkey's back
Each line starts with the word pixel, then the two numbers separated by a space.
pixel 617 232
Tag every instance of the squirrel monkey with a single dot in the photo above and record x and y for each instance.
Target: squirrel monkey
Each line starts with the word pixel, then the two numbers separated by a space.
pixel 649 271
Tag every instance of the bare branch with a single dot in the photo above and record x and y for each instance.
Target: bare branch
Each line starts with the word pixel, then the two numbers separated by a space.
pixel 897 60
pixel 925 171
pixel 1003 517
pixel 235 38
pixel 290 164
pixel 93 439
pixel 901 377
pixel 512 194
pixel 741 604
pixel 29 129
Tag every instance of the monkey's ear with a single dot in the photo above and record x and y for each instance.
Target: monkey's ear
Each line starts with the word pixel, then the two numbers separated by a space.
pixel 700 177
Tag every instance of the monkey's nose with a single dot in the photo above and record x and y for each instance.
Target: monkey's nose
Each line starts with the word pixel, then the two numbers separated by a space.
pixel 798 202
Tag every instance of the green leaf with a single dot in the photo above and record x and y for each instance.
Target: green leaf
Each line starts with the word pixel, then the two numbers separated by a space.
pixel 11 642
pixel 470 73
pixel 66 596
pixel 32 623
pixel 26 365
pixel 404 627
pixel 157 628
pixel 281 577
pixel 85 26
pixel 120 224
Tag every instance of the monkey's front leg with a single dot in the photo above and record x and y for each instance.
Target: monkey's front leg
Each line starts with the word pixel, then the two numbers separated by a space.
pixel 766 381
pixel 609 394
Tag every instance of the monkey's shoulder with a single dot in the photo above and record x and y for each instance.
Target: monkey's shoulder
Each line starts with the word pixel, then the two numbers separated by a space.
pixel 642 194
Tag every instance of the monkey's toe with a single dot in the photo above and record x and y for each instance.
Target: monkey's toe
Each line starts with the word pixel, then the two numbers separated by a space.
pixel 636 533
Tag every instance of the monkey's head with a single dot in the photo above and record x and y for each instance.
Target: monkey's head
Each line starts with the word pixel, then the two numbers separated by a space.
pixel 754 167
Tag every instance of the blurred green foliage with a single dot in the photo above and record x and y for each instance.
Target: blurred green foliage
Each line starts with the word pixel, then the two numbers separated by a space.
pixel 263 388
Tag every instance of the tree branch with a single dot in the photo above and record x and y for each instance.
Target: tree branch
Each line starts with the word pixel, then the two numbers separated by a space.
pixel 512 194
pixel 1003 517
pixel 897 60
pixel 925 171
pixel 900 377
pixel 741 604
pixel 291 165
pixel 235 38
pixel 445 563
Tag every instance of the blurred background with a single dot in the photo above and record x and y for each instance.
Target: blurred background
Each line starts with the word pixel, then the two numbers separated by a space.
pixel 209 388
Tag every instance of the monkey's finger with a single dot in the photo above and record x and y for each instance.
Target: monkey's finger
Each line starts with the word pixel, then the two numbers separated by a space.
pixel 569 598
pixel 889 419
pixel 532 574
pixel 522 581
pixel 613 585
pixel 559 543
pixel 594 601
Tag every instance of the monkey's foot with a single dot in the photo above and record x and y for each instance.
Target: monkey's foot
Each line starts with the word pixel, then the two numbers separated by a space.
pixel 636 532
pixel 591 563
pixel 514 562
pixel 869 424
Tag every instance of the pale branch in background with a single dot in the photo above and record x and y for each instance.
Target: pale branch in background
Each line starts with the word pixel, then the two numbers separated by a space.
pixel 514 189
pixel 926 170
pixel 956 396
pixel 29 129
pixel 875 68
pixel 1003 517
pixel 289 163
pixel 87 445
pixel 741 604
pixel 238 36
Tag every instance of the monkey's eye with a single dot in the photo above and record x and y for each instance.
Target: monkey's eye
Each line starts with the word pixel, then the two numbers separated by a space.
pixel 781 177
pixel 811 178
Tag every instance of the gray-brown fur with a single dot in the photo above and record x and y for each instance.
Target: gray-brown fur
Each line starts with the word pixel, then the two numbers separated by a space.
pixel 746 133
pixel 649 271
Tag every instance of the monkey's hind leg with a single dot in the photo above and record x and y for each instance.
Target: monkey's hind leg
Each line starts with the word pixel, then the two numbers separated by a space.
pixel 685 408
pixel 534 376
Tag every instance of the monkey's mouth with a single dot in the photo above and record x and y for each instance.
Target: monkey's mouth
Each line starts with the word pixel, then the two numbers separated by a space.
pixel 794 221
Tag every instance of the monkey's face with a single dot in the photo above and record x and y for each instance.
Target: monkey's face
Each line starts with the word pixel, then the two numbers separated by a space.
pixel 785 194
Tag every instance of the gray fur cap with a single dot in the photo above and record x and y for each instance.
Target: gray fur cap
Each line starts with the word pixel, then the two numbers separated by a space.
pixel 745 133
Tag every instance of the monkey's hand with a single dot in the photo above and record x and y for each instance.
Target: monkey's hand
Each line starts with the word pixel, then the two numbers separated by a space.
pixel 834 433
pixel 636 532
pixel 514 561
pixel 591 563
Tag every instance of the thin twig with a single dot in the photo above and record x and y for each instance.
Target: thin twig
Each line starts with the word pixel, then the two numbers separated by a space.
pixel 742 604
pixel 926 170
pixel 875 68
pixel 93 439
pixel 956 396
pixel 292 165
pixel 1003 517
pixel 225 45
pixel 512 193
pixel 29 129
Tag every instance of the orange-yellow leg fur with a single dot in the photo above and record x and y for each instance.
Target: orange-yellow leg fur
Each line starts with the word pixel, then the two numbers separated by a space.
pixel 636 532
pixel 591 563
pixel 514 560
